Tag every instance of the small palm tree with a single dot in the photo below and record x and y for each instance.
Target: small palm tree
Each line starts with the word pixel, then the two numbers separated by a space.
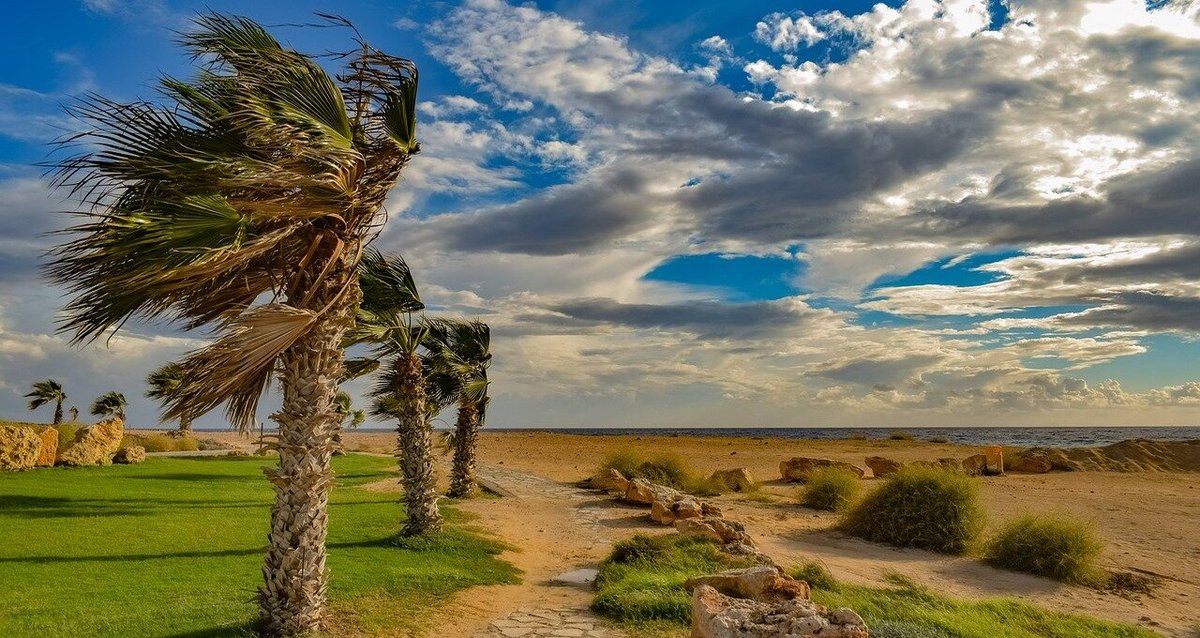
pixel 162 383
pixel 48 391
pixel 109 404
pixel 74 412
pixel 461 353
pixel 244 204
pixel 387 320
pixel 350 418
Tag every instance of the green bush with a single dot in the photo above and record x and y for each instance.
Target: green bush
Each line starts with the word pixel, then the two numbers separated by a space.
pixel 642 580
pixel 832 489
pixel 161 442
pixel 1057 548
pixel 667 469
pixel 815 574
pixel 900 435
pixel 924 507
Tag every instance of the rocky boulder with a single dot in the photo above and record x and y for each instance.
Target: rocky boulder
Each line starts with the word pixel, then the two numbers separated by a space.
pixel 48 449
pixel 766 583
pixel 610 480
pixel 715 528
pixel 18 447
pixel 883 466
pixel 675 507
pixel 798 468
pixel 130 455
pixel 95 444
pixel 738 479
pixel 639 491
pixel 715 615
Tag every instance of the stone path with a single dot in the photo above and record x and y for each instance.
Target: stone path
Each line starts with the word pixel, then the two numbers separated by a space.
pixel 557 622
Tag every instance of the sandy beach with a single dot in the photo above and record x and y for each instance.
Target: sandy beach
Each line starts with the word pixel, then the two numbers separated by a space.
pixel 1147 520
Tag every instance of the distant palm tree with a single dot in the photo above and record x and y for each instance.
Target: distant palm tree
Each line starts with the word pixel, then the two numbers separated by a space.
pixel 263 178
pixel 387 320
pixel 461 353
pixel 48 391
pixel 350 417
pixel 109 404
pixel 164 382
pixel 74 411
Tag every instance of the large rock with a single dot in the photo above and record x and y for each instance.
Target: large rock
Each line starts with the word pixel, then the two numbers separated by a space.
pixel 738 479
pixel 798 468
pixel 95 444
pixel 18 447
pixel 765 583
pixel 48 447
pixel 130 455
pixel 715 615
pixel 677 508
pixel 721 530
pixel 639 491
pixel 882 466
pixel 610 480
pixel 1031 462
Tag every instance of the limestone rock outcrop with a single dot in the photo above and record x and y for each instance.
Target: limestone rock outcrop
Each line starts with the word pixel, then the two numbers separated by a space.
pixel 18 447
pixel 48 448
pixel 130 455
pixel 764 583
pixel 798 468
pixel 715 615
pixel 95 444
pixel 738 479
pixel 882 466
pixel 610 480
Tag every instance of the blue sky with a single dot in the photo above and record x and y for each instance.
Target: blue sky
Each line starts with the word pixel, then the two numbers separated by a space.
pixel 790 213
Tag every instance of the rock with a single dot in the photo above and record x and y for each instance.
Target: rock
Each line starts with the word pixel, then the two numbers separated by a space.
pixel 765 583
pixel 95 444
pixel 715 528
pixel 975 465
pixel 48 448
pixel 1031 462
pixel 680 506
pixel 883 466
pixel 610 480
pixel 798 468
pixel 708 509
pixel 738 479
pixel 130 455
pixel 639 491
pixel 715 615
pixel 18 447
pixel 698 527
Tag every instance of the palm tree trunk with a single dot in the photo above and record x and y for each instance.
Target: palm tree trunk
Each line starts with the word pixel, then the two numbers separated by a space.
pixel 58 415
pixel 466 435
pixel 292 598
pixel 185 426
pixel 414 450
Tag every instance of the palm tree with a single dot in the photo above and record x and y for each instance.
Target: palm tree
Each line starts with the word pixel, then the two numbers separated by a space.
pixel 244 204
pixel 163 382
pixel 110 404
pixel 461 351
pixel 48 391
pixel 350 417
pixel 387 320
pixel 74 413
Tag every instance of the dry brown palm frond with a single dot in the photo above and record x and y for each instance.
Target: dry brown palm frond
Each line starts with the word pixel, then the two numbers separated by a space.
pixel 237 367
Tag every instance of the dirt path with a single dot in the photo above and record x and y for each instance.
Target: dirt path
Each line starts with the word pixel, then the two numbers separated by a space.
pixel 552 528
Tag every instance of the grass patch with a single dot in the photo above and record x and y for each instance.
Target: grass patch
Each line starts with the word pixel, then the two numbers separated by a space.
pixel 667 469
pixel 832 489
pixel 924 507
pixel 815 573
pixel 99 551
pixel 641 583
pixel 1057 548
pixel 907 610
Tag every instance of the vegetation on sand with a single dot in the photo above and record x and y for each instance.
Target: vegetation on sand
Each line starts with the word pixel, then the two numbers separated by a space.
pixel 1049 546
pixel 243 201
pixel 188 533
pixel 665 469
pixel 924 507
pixel 832 489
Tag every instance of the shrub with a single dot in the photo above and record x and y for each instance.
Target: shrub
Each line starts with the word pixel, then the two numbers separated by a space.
pixel 1057 548
pixel 832 489
pixel 815 574
pixel 667 469
pixel 160 442
pixel 923 507
pixel 900 435
pixel 624 462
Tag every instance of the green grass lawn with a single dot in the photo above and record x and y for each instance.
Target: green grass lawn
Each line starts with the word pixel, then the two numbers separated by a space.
pixel 173 547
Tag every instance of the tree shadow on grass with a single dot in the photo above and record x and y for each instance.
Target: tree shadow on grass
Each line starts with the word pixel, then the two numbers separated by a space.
pixel 386 541
pixel 31 507
pixel 239 631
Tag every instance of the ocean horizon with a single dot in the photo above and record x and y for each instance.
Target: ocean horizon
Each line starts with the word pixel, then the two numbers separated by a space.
pixel 1042 436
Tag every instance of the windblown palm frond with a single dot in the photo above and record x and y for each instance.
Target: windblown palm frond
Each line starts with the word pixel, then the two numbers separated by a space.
pixel 47 391
pixel 164 381
pixel 461 352
pixel 109 404
pixel 261 177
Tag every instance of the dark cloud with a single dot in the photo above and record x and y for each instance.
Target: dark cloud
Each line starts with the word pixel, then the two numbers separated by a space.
pixel 704 319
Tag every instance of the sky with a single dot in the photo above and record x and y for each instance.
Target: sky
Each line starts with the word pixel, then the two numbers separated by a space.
pixel 921 213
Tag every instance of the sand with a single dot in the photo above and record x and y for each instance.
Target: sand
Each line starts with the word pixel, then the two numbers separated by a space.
pixel 1147 518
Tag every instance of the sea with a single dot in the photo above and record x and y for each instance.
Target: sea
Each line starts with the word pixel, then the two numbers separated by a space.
pixel 1091 436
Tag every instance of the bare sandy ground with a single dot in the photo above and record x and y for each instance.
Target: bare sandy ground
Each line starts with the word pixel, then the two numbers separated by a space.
pixel 1148 520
